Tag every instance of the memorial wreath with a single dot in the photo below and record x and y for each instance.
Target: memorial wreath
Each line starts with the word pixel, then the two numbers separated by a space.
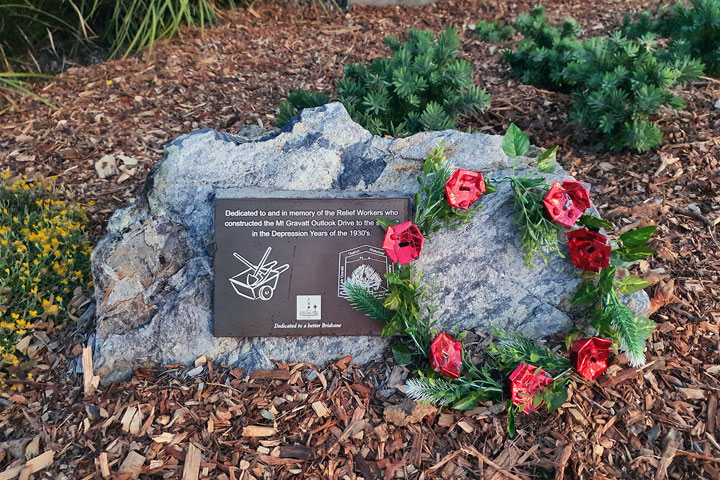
pixel 525 372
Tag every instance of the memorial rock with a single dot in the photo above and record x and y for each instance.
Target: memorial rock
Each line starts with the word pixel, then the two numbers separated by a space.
pixel 153 271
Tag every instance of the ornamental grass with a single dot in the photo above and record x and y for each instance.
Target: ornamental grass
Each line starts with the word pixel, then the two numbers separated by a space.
pixel 44 265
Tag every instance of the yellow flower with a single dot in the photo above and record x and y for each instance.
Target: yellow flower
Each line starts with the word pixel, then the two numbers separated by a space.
pixel 15 316
pixel 33 313
pixel 52 310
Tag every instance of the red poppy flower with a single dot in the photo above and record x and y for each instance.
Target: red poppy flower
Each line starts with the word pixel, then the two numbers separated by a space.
pixel 463 188
pixel 403 243
pixel 567 202
pixel 588 250
pixel 446 355
pixel 589 356
pixel 526 381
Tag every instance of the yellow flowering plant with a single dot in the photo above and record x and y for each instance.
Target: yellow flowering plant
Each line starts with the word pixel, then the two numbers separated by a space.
pixel 44 257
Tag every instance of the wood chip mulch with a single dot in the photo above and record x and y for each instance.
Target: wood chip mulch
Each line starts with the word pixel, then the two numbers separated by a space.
pixel 343 421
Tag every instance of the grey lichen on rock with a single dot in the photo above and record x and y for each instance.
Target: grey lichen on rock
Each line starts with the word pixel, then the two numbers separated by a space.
pixel 153 270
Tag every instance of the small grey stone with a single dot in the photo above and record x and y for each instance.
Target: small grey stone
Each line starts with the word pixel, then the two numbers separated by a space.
pixel 153 275
pixel 717 104
pixel 311 375
pixel 195 371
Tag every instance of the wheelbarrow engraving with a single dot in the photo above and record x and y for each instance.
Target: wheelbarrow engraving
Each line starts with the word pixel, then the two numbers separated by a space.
pixel 257 282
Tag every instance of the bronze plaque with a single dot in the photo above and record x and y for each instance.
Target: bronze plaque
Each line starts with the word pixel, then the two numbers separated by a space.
pixel 280 264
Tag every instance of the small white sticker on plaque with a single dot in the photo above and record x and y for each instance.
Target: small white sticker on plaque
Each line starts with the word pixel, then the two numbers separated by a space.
pixel 309 307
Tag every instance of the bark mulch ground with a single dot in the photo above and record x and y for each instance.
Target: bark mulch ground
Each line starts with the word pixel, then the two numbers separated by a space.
pixel 207 421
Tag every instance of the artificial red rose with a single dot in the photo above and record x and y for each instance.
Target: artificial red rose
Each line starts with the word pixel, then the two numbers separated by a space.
pixel 403 243
pixel 526 381
pixel 588 250
pixel 566 202
pixel 589 356
pixel 446 355
pixel 463 188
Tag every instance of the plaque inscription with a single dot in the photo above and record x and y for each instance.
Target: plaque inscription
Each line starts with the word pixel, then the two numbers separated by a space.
pixel 280 264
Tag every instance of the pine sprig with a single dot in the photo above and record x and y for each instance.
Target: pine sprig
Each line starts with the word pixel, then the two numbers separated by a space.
pixel 364 301
pixel 432 210
pixel 538 234
pixel 463 393
pixel 623 323
pixel 434 390
pixel 512 349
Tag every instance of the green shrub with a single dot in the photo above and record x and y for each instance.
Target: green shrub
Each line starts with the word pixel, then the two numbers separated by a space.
pixel 696 28
pixel 296 101
pixel 544 51
pixel 422 86
pixel 44 257
pixel 495 32
pixel 618 84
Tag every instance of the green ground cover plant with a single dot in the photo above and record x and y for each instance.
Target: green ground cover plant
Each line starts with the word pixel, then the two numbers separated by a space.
pixel 544 51
pixel 695 30
pixel 495 31
pixel 618 84
pixel 44 259
pixel 422 86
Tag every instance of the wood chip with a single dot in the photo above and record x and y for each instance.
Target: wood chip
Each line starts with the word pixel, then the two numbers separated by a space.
pixel 258 431
pixel 191 470
pixel 466 426
pixel 270 374
pixel 132 464
pixel 674 441
pixel 692 393
pixel 102 463
pixel 132 420
pixel 38 463
pixel 320 409
pixel 164 437
pixel 90 381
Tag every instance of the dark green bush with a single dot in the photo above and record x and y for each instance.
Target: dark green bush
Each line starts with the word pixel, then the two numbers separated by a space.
pixel 422 86
pixel 544 51
pixel 496 31
pixel 696 30
pixel 617 84
pixel 296 101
